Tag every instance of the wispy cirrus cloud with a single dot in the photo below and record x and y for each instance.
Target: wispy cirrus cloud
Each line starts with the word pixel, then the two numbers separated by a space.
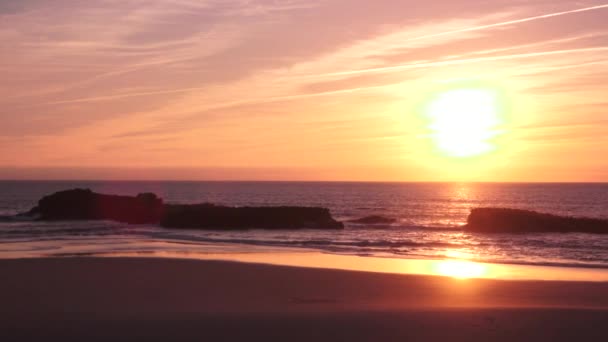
pixel 173 79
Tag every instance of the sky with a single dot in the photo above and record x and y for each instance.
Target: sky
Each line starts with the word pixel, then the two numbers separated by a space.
pixel 330 90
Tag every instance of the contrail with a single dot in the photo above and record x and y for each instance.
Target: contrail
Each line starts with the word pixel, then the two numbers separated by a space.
pixel 339 91
pixel 223 105
pixel 510 22
pixel 127 95
pixel 475 28
pixel 398 67
pixel 465 61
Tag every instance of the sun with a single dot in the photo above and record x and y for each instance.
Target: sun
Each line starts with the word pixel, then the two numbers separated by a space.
pixel 464 122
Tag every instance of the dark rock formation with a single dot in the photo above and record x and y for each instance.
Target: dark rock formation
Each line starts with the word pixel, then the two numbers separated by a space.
pixel 83 204
pixel 208 216
pixel 503 220
pixel 374 219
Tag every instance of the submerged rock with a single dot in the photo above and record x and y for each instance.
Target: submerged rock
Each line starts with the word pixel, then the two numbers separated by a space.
pixel 84 204
pixel 504 220
pixel 374 219
pixel 208 216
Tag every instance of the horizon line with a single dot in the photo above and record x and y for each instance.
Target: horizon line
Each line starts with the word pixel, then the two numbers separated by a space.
pixel 298 181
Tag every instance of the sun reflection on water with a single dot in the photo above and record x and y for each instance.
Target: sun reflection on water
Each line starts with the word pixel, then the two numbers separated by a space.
pixel 454 268
pixel 457 266
pixel 452 254
pixel 460 269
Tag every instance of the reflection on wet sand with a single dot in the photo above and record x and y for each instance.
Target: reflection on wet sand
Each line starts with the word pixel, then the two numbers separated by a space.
pixel 456 268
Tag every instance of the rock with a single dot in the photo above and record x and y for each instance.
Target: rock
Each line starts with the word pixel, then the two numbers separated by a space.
pixel 207 216
pixel 504 220
pixel 83 204
pixel 374 219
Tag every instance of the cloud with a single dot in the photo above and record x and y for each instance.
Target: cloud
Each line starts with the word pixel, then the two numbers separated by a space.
pixel 233 79
pixel 466 61
pixel 475 29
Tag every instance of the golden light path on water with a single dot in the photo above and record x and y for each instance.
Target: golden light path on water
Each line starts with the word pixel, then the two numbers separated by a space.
pixel 461 269
pixel 451 263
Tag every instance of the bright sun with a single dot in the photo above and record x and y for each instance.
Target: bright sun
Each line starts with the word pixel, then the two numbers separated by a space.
pixel 464 122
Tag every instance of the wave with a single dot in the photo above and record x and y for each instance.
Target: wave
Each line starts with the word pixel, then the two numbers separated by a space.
pixel 374 220
pixel 405 227
pixel 389 244
pixel 401 241
pixel 371 208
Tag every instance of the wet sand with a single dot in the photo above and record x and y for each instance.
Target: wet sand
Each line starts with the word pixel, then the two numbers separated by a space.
pixel 191 300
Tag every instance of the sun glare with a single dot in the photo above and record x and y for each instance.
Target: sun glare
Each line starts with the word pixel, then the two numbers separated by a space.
pixel 464 122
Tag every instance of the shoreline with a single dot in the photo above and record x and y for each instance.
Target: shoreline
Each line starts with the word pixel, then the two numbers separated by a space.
pixel 453 268
pixel 160 298
pixel 311 258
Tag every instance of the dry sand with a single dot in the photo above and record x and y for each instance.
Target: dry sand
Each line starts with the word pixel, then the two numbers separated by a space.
pixel 78 299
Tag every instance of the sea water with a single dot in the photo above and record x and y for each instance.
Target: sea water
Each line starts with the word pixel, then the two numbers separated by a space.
pixel 428 221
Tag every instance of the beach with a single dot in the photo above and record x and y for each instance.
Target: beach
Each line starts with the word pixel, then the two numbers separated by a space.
pixel 182 300
pixel 295 170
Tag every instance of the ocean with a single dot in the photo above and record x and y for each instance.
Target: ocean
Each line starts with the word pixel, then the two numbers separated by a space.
pixel 428 221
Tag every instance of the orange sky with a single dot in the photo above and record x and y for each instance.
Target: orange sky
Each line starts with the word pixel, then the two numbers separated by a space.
pixel 297 90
